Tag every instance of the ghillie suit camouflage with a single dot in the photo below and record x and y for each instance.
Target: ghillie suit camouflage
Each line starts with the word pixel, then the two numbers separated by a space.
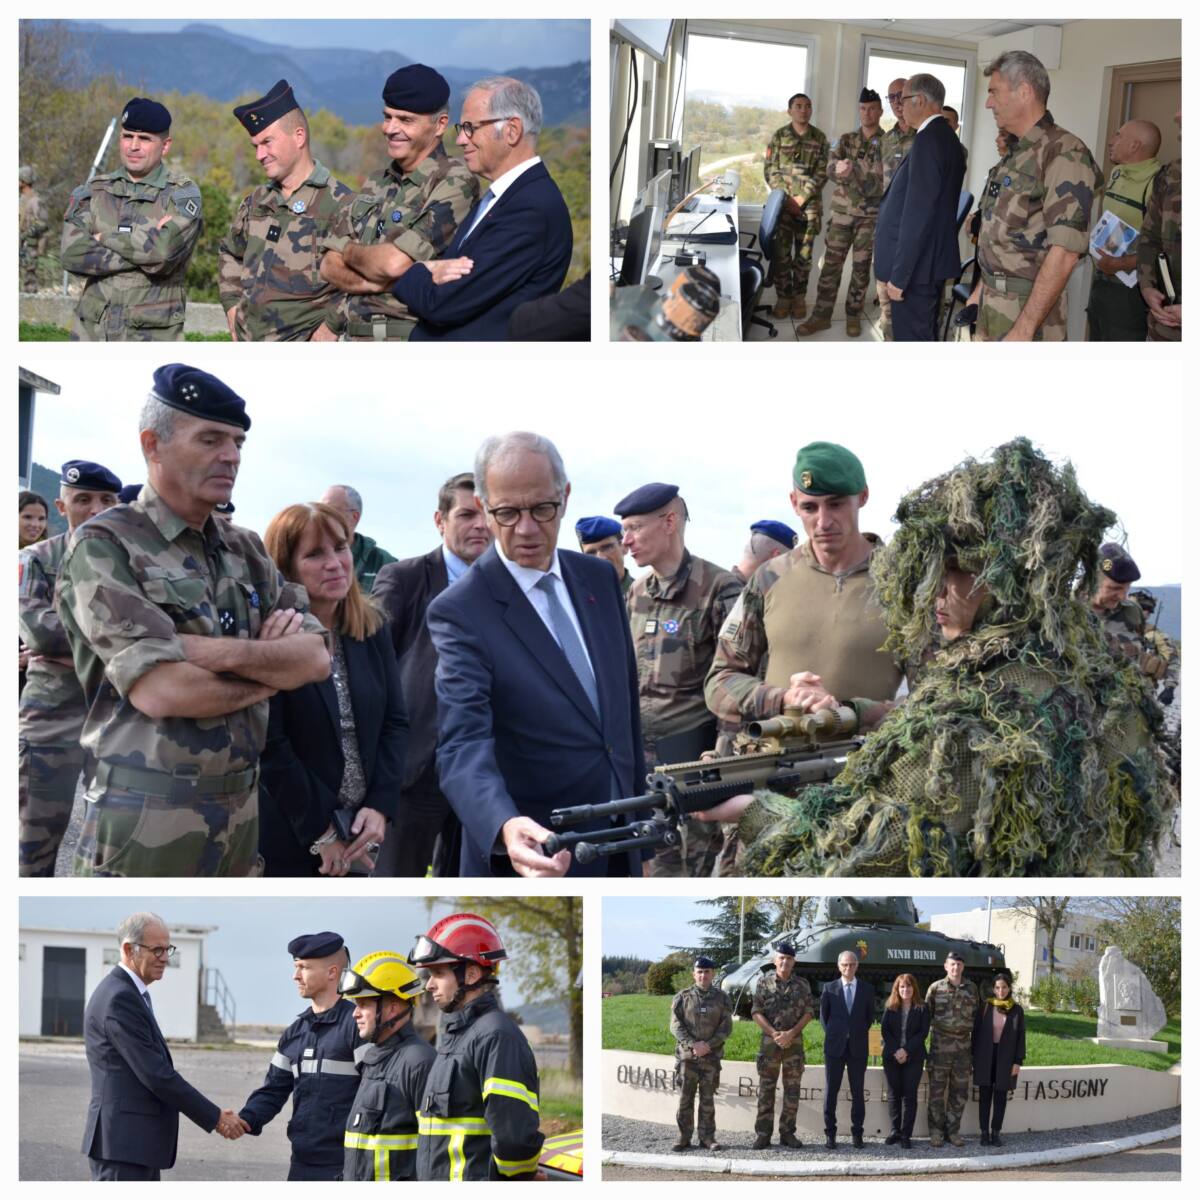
pixel 1024 748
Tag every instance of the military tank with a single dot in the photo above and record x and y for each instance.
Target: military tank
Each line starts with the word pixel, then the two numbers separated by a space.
pixel 882 931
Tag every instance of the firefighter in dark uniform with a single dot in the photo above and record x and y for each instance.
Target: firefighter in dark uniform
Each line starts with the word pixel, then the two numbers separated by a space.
pixel 381 1129
pixel 480 1116
pixel 316 1063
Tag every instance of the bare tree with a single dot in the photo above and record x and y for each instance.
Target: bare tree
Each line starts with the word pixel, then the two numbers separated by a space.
pixel 1047 913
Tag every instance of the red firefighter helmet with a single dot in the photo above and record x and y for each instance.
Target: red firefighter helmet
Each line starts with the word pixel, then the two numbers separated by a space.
pixel 459 938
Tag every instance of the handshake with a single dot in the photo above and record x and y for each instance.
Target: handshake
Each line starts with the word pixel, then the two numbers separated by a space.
pixel 231 1126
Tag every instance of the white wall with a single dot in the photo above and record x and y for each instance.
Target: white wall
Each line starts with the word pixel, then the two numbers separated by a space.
pixel 175 996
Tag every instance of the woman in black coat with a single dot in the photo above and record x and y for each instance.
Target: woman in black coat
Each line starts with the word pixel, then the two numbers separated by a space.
pixel 905 1027
pixel 334 759
pixel 998 1050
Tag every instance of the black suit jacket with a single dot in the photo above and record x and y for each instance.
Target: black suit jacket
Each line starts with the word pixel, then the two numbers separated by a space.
pixel 517 733
pixel 137 1095
pixel 916 232
pixel 846 1032
pixel 403 590
pixel 1009 1050
pixel 565 316
pixel 914 1042
pixel 521 250
pixel 302 762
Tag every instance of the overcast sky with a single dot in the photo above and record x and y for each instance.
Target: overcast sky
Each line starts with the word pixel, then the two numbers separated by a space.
pixel 729 441
pixel 486 44
pixel 249 942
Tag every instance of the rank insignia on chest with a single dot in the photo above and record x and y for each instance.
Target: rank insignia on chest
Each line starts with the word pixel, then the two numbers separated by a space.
pixel 379 227
pixel 299 206
pixel 1008 181
pixel 670 627
pixel 651 626
pixel 273 233
pixel 228 620
pixel 703 1008
pixel 397 216
pixel 124 228
pixel 254 599
pixel 994 189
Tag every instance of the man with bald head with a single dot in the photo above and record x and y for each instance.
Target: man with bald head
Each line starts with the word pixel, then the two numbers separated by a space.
pixel 369 557
pixel 1116 311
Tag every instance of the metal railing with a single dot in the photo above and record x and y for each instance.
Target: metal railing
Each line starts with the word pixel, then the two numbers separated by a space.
pixel 218 994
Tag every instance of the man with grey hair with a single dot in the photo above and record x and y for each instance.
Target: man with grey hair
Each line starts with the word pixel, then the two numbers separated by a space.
pixel 916 232
pixel 515 244
pixel 537 691
pixel 369 557
pixel 1037 210
pixel 132 1128
pixel 181 629
pixel 847 1013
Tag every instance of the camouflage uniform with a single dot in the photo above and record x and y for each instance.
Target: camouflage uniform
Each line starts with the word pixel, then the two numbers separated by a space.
pixel 270 261
pixel 797 165
pixel 51 714
pixel 1162 233
pixel 1041 197
pixel 135 272
pixel 784 1004
pixel 418 213
pixel 894 146
pixel 698 1016
pixel 951 1019
pixel 675 624
pixel 33 228
pixel 177 796
pixel 855 206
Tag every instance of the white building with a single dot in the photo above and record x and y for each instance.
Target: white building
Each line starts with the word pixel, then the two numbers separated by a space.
pixel 60 969
pixel 1026 947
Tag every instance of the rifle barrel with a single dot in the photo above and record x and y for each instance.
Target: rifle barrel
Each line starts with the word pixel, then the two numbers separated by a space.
pixel 565 817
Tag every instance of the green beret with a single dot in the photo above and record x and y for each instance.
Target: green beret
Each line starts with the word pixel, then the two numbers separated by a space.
pixel 827 469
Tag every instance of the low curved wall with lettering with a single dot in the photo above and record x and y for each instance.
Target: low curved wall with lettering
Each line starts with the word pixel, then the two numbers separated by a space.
pixel 642 1086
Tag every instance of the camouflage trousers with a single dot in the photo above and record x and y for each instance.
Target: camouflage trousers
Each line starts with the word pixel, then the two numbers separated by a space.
pixel 998 313
pixel 699 1075
pixel 885 311
pixel 771 1064
pixel 843 236
pixel 696 858
pixel 29 268
pixel 949 1087
pixel 46 794
pixel 127 833
pixel 792 253
pixel 1156 331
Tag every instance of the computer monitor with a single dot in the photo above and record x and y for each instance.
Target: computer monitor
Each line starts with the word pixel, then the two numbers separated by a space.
pixel 691 171
pixel 641 247
pixel 657 192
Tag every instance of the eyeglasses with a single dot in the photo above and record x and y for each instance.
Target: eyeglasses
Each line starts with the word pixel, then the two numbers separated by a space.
pixel 906 99
pixel 895 95
pixel 159 952
pixel 543 513
pixel 469 127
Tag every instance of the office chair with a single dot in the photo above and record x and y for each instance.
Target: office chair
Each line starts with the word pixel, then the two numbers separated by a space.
pixel 761 259
pixel 960 292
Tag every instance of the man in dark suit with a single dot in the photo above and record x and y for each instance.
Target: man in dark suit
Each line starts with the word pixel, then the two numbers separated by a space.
pixel 537 689
pixel 916 234
pixel 515 244
pixel 847 1012
pixel 426 830
pixel 137 1095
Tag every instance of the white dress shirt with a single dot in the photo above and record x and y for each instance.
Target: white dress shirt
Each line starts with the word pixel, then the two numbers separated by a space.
pixel 527 579
pixel 139 983
pixel 931 117
pixel 498 187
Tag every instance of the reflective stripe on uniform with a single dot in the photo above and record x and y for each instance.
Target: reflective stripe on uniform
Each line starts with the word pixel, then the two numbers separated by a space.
pixel 458 1157
pixel 512 1089
pixel 516 1167
pixel 447 1126
pixel 327 1066
pixel 278 1060
pixel 379 1141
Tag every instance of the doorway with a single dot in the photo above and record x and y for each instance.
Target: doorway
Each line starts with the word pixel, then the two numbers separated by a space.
pixel 1148 92
pixel 63 973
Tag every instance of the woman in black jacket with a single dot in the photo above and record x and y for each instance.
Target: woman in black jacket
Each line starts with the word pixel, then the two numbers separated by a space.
pixel 334 758
pixel 905 1028
pixel 998 1050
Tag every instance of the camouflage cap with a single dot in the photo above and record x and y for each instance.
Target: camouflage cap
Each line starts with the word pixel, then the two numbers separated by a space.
pixel 827 469
pixel 315 945
pixel 416 88
pixel 129 493
pixel 596 529
pixel 142 115
pixel 704 963
pixel 79 473
pixel 258 114
pixel 199 394
pixel 776 530
pixel 1116 563
pixel 650 497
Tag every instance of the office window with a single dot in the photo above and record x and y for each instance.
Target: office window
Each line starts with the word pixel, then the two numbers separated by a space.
pixel 736 96
pixel 884 64
pixel 112 956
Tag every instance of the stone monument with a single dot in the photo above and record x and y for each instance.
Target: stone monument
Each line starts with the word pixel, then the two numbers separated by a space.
pixel 1130 1013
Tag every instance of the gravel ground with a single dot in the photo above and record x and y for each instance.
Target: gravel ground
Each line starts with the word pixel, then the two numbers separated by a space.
pixel 646 1137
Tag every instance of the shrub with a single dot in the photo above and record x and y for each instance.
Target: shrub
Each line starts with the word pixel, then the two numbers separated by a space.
pixel 660 977
pixel 1049 993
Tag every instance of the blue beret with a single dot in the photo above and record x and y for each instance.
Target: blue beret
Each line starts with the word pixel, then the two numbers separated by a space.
pixel 704 963
pixel 315 945
pixel 596 529
pixel 416 88
pixel 776 530
pixel 786 948
pixel 200 394
pixel 258 114
pixel 80 474
pixel 650 497
pixel 129 493
pixel 145 116
pixel 1117 565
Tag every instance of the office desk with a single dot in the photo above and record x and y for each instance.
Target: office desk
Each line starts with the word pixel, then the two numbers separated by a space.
pixel 723 261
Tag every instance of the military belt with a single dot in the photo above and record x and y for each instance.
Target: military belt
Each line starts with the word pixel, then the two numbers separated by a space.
pixel 1010 285
pixel 183 784
pixel 380 327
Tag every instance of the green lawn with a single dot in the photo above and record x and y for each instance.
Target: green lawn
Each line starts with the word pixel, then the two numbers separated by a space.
pixel 1053 1039
pixel 560 1099
pixel 45 332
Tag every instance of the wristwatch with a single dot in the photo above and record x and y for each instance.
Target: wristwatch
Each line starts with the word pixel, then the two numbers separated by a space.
pixel 315 848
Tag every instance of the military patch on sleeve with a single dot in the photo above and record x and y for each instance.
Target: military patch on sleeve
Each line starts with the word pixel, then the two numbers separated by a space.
pixel 273 233
pixel 191 208
pixel 733 623
pixel 228 621
pixel 124 228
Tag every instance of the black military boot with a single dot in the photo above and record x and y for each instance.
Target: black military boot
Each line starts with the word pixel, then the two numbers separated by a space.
pixel 683 1143
pixel 789 1139
pixel 761 1142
